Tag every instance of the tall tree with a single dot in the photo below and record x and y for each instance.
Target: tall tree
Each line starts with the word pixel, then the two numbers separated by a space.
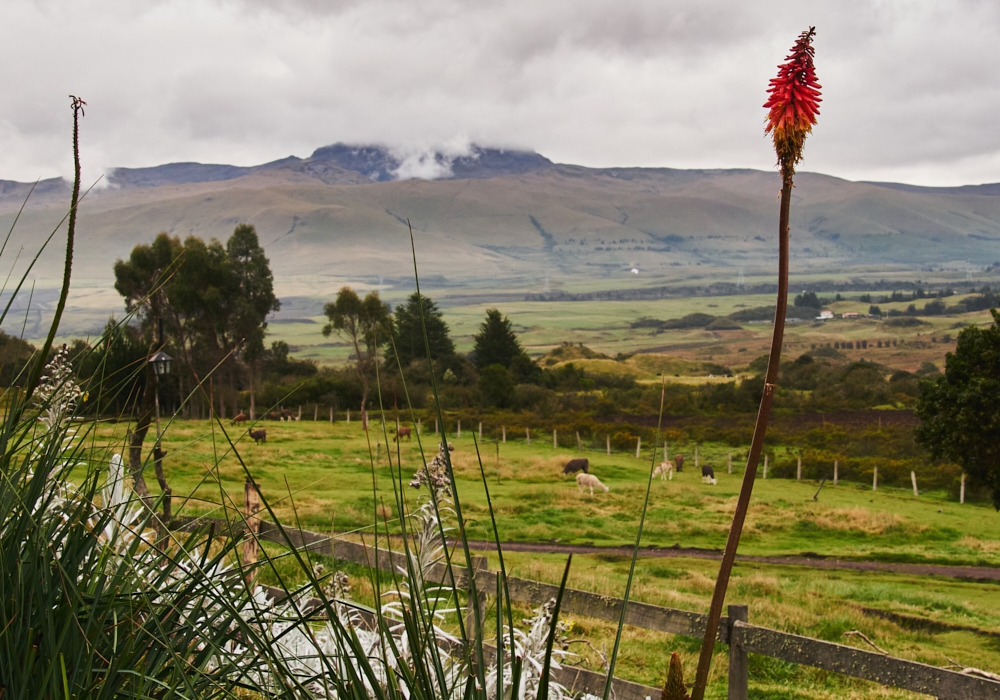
pixel 252 298
pixel 365 324
pixel 409 331
pixel 142 280
pixel 496 342
pixel 960 417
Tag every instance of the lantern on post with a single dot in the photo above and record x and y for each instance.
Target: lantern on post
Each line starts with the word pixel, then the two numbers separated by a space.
pixel 161 363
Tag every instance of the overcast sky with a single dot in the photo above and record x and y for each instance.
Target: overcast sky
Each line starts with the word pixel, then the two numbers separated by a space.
pixel 911 91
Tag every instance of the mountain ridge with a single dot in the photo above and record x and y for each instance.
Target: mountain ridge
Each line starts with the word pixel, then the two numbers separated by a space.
pixel 515 218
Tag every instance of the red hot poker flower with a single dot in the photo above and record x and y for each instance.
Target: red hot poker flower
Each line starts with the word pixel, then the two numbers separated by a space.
pixel 793 103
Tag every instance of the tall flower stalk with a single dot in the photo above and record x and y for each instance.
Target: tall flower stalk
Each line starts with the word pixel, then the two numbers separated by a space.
pixel 792 104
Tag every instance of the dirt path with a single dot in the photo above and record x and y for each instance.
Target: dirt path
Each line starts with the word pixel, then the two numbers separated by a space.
pixel 967 573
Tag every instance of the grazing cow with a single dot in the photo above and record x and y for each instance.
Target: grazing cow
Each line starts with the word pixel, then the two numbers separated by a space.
pixel 678 463
pixel 664 471
pixel 288 415
pixel 258 436
pixel 589 480
pixel 402 433
pixel 274 415
pixel 239 419
pixel 708 475
pixel 581 464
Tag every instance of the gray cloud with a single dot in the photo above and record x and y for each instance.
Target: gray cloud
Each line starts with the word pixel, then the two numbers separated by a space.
pixel 908 86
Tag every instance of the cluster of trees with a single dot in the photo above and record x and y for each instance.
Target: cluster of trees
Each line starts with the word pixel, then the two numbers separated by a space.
pixel 417 333
pixel 206 304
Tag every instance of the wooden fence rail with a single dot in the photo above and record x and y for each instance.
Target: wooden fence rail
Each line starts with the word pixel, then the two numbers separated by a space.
pixel 734 630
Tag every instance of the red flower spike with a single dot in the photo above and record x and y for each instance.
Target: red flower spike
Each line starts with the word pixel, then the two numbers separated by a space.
pixel 793 103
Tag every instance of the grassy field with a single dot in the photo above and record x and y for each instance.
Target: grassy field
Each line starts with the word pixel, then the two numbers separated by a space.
pixel 319 476
pixel 327 470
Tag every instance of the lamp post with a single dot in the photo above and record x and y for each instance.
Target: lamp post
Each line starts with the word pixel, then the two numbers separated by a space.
pixel 160 362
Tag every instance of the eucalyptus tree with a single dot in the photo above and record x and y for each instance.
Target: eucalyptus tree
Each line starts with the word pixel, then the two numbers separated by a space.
pixel 365 324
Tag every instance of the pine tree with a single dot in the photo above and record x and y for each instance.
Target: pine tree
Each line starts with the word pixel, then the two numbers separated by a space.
pixel 496 342
pixel 408 332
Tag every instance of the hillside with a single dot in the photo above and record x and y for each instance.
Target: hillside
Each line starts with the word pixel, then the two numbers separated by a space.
pixel 513 221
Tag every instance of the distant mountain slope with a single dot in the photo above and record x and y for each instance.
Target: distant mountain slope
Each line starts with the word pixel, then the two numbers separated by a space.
pixel 509 215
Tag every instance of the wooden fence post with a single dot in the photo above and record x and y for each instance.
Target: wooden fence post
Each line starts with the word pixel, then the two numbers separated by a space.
pixel 435 426
pixel 836 471
pixel 961 493
pixel 913 478
pixel 739 687
pixel 504 429
pixel 458 432
pixel 299 416
pixel 251 548
pixel 730 462
pixel 315 412
pixel 798 471
pixel 418 427
pixel 348 416
pixel 555 442
pixel 696 465
pixel 331 414
pixel 480 431
pixel 875 479
pixel 527 436
pixel 765 466
pixel 638 446
pixel 579 445
pixel 609 444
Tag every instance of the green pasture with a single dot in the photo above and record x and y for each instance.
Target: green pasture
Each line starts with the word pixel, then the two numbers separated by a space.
pixel 320 475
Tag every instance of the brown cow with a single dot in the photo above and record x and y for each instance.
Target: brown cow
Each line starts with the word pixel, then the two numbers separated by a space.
pixel 401 433
pixel 678 463
pixel 288 415
pixel 239 419
pixel 258 436
pixel 274 415
pixel 581 464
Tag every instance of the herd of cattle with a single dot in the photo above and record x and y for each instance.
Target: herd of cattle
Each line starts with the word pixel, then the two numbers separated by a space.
pixel 584 479
pixel 665 470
